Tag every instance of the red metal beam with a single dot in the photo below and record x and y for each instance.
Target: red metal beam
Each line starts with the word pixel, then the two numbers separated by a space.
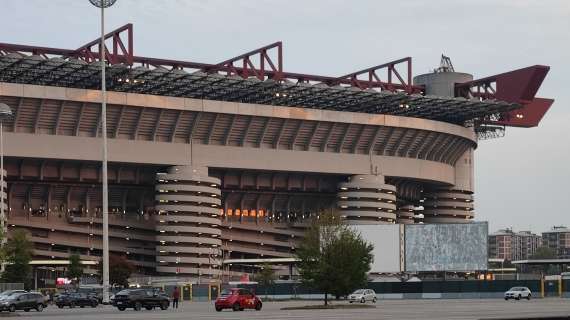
pixel 393 79
pixel 248 60
pixel 119 53
pixel 528 116
pixel 517 86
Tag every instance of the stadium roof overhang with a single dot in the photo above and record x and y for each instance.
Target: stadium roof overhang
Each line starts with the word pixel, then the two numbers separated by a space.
pixel 258 77
pixel 542 261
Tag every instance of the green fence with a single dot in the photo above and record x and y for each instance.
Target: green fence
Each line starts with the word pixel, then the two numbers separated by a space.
pixel 424 289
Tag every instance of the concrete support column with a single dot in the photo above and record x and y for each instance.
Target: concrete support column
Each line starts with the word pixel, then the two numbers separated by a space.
pixel 448 206
pixel 189 220
pixel 366 199
pixel 405 214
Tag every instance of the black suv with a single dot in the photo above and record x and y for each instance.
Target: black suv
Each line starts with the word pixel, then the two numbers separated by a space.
pixel 139 298
pixel 76 299
pixel 23 301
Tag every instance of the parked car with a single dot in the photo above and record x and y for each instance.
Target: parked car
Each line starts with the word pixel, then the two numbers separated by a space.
pixel 517 293
pixel 139 298
pixel 362 295
pixel 23 301
pixel 238 300
pixel 76 299
pixel 8 293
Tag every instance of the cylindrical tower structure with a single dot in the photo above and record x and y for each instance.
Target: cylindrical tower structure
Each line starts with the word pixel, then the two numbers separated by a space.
pixel 442 83
pixel 405 214
pixel 189 219
pixel 367 199
pixel 448 206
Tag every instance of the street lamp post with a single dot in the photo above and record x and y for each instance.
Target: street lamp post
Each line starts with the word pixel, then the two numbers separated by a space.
pixel 5 113
pixel 104 4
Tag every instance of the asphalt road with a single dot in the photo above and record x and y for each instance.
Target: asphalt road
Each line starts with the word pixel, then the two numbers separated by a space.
pixel 387 309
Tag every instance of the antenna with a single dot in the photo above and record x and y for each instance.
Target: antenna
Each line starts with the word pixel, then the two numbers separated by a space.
pixel 445 65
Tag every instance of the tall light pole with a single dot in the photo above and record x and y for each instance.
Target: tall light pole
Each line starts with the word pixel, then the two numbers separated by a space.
pixel 5 113
pixel 104 4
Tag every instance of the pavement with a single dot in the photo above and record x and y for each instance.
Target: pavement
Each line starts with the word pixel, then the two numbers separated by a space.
pixel 385 309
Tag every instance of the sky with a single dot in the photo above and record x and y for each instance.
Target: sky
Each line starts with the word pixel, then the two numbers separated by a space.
pixel 522 180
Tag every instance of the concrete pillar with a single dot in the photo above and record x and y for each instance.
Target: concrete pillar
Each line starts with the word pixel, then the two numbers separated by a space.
pixel 448 205
pixel 366 199
pixel 405 214
pixel 189 220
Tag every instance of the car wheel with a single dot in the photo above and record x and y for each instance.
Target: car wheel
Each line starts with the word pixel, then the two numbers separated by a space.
pixel 362 300
pixel 374 300
pixel 528 297
pixel 236 307
pixel 138 306
pixel 94 304
pixel 518 297
pixel 60 306
pixel 148 307
pixel 40 307
pixel 218 309
pixel 27 310
pixel 506 299
pixel 81 306
pixel 72 305
pixel 350 302
pixel 12 308
pixel 164 305
pixel 258 306
pixel 121 308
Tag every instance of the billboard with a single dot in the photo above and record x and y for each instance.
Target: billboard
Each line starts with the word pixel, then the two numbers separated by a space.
pixel 446 247
pixel 386 241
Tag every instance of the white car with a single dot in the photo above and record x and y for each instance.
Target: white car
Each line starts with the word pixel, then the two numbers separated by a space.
pixel 518 293
pixel 362 295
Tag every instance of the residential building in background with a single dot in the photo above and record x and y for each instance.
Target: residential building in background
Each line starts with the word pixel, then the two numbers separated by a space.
pixel 558 238
pixel 509 245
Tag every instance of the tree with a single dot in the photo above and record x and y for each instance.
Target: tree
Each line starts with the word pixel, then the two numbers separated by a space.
pixel 266 277
pixel 333 258
pixel 75 269
pixel 18 252
pixel 120 270
pixel 544 253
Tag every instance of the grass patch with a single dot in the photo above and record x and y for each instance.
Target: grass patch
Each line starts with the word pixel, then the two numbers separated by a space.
pixel 331 306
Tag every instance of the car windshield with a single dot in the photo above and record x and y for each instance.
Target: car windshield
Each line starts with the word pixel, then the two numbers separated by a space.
pixel 123 292
pixel 227 292
pixel 359 291
pixel 516 289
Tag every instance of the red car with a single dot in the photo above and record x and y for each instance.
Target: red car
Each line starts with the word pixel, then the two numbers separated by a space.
pixel 237 300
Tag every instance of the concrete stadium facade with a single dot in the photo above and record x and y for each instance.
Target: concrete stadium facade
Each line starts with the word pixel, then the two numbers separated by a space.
pixel 196 181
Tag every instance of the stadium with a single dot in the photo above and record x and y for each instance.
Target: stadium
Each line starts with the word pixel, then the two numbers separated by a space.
pixel 231 160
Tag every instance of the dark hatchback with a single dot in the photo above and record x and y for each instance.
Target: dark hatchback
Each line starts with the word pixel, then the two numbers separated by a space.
pixel 76 299
pixel 23 301
pixel 140 298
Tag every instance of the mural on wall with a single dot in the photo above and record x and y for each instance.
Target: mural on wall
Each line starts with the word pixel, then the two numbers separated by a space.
pixel 446 247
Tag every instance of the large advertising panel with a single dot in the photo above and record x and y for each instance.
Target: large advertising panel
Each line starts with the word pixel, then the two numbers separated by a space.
pixel 386 241
pixel 446 247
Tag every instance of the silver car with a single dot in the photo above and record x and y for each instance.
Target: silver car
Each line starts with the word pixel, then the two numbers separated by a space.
pixel 517 293
pixel 362 295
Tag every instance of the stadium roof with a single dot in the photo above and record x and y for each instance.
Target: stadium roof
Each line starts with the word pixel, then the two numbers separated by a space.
pixel 258 77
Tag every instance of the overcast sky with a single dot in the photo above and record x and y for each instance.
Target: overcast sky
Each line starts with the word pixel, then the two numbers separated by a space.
pixel 521 179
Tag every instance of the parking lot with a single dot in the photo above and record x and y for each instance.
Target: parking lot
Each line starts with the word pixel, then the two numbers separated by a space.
pixel 387 309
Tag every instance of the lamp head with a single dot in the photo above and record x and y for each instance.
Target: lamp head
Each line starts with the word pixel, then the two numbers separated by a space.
pixel 102 3
pixel 5 112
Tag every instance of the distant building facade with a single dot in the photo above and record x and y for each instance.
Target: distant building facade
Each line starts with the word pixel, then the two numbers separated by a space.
pixel 509 245
pixel 558 238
